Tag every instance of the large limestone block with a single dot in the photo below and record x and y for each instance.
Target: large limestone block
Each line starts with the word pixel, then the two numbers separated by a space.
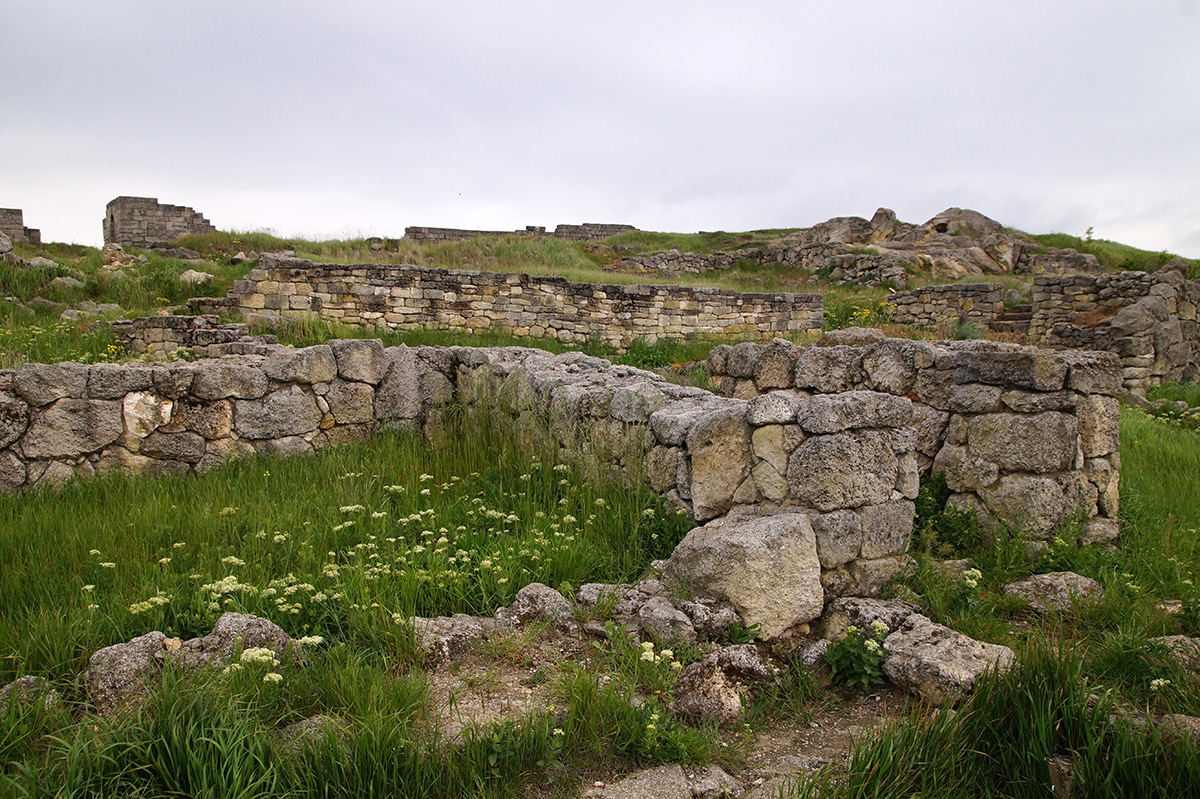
pixel 831 413
pixel 1099 424
pixel 1054 591
pixel 1025 368
pixel 216 380
pixel 843 470
pixel 73 427
pixel 930 424
pixel 359 359
pixel 937 663
pixel 964 472
pixel 307 365
pixel 770 445
pixel 185 446
pixel 839 537
pixel 1039 503
pixel 399 393
pixel 635 403
pixel 1025 442
pixel 886 528
pixel 143 413
pixel 114 381
pixel 212 420
pixel 765 566
pixel 719 446
pixel 290 411
pixel 42 383
pixel 829 369
pixel 350 402
pixel 891 365
pixel 672 422
pixel 776 366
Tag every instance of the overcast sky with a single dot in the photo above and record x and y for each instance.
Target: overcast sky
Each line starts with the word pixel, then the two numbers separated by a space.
pixel 360 118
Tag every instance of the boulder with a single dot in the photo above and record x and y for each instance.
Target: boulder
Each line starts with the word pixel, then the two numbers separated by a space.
pixel 118 673
pixel 236 632
pixel 445 637
pixel 765 566
pixel 24 689
pixel 658 618
pixel 537 602
pixel 936 663
pixel 712 689
pixel 1054 591
pixel 193 278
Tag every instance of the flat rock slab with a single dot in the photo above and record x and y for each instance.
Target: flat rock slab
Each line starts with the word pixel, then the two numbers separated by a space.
pixel 935 663
pixel 1054 591
pixel 663 782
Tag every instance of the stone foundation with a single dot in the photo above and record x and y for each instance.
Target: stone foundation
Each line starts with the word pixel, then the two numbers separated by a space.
pixel 144 222
pixel 413 297
pixel 1024 436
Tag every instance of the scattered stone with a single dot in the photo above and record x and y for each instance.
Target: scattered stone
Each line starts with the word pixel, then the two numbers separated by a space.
pixel 193 278
pixel 936 663
pixel 1181 649
pixel 659 619
pixel 765 566
pixel 714 783
pixel 537 602
pixel 117 674
pixel 66 283
pixel 1054 591
pixel 711 690
pixel 311 732
pixel 24 689
pixel 447 637
pixel 862 613
pixel 237 631
pixel 41 262
pixel 5 244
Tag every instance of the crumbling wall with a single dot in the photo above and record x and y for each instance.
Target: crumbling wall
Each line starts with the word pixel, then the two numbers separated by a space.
pixel 942 306
pixel 588 231
pixel 411 297
pixel 160 337
pixel 144 222
pixel 12 224
pixel 1023 435
pixel 847 461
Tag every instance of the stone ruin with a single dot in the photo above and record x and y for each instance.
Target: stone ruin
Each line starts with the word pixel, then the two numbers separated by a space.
pixel 12 224
pixel 952 245
pixel 146 223
pixel 588 231
pixel 406 297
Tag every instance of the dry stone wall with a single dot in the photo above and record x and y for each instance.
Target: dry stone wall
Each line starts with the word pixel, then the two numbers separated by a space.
pixel 940 306
pixel 845 463
pixel 588 231
pixel 1023 435
pixel 144 222
pixel 12 224
pixel 160 337
pixel 410 297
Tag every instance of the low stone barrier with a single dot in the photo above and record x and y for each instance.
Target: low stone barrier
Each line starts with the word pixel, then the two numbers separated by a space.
pixel 1024 436
pixel 412 297
pixel 160 337
pixel 943 306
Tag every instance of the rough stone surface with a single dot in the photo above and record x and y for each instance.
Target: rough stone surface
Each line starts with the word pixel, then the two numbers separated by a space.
pixel 1054 591
pixel 862 613
pixel 446 637
pixel 215 380
pixel 537 602
pixel 287 411
pixel 936 663
pixel 1006 439
pixel 886 528
pixel 712 689
pixel 42 383
pixel 119 672
pixel 359 359
pixel 307 365
pixel 720 452
pixel 767 567
pixel 72 427
pixel 661 782
pixel 236 631
pixel 832 413
pixel 659 619
pixel 843 470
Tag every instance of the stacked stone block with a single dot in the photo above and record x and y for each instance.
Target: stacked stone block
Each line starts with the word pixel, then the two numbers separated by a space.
pixel 412 297
pixel 945 306
pixel 144 222
pixel 12 224
pixel 1023 436
pixel 160 337
pixel 588 231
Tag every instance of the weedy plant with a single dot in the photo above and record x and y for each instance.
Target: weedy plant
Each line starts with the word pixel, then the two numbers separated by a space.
pixel 857 658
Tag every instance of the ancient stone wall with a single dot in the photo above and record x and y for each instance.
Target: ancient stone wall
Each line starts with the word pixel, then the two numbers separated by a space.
pixel 588 231
pixel 12 224
pixel 160 337
pixel 410 297
pixel 144 222
pixel 943 306
pixel 1023 435
pixel 847 461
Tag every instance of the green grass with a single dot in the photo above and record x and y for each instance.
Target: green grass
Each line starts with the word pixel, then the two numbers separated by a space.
pixel 1113 255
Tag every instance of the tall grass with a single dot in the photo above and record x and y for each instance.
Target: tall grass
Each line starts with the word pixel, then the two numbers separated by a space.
pixel 1112 254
